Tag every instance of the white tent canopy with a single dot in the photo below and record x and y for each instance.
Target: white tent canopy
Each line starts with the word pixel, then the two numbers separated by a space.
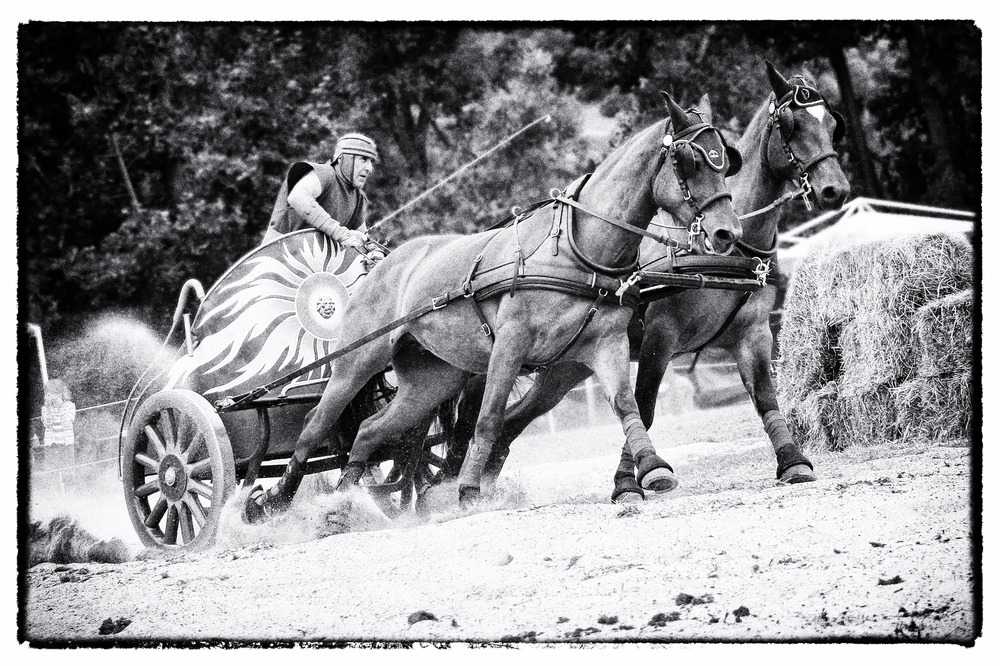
pixel 865 220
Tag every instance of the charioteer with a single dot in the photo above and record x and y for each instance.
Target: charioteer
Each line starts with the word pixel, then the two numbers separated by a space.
pixel 329 196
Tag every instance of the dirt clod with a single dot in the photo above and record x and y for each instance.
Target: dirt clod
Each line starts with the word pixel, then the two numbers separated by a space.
pixel 895 580
pixel 420 616
pixel 110 626
pixel 661 619
pixel 741 613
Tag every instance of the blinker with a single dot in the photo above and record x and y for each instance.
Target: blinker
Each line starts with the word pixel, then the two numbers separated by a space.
pixel 840 128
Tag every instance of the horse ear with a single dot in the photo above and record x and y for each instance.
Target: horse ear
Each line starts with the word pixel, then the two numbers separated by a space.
pixel 779 85
pixel 705 106
pixel 678 117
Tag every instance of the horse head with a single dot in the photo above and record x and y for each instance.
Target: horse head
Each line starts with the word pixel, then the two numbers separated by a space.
pixel 690 182
pixel 802 131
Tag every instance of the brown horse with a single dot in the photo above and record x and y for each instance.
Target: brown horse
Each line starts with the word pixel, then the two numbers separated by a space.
pixel 544 290
pixel 788 141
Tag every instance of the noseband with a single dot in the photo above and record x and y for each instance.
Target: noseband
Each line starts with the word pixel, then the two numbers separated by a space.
pixel 780 113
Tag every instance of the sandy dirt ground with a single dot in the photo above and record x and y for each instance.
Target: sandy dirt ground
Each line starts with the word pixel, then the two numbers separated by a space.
pixel 880 548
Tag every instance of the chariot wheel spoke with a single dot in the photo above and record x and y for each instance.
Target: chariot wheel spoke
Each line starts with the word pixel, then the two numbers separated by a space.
pixel 200 489
pixel 187 431
pixel 195 448
pixel 154 517
pixel 431 458
pixel 170 528
pixel 147 462
pixel 155 441
pixel 187 527
pixel 196 509
pixel 148 488
pixel 168 425
pixel 201 469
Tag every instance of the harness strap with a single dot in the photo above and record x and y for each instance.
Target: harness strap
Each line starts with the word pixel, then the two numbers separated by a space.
pixel 601 294
pixel 722 329
pixel 468 291
pixel 622 225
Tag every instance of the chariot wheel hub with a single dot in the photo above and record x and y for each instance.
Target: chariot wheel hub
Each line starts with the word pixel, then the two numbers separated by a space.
pixel 319 304
pixel 173 478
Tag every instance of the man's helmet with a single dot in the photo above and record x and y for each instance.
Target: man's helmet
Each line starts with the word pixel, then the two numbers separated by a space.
pixel 355 144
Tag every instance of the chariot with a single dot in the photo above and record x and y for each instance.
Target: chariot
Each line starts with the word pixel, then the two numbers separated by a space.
pixel 278 309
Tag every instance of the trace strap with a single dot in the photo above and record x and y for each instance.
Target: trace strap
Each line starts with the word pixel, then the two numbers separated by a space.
pixel 229 403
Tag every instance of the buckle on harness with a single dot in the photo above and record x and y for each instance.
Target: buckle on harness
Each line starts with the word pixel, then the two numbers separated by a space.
pixel 694 230
pixel 806 190
pixel 487 331
pixel 761 270
pixel 439 302
pixel 635 277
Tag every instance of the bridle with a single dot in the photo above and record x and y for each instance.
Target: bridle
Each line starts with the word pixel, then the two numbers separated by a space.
pixel 680 148
pixel 781 114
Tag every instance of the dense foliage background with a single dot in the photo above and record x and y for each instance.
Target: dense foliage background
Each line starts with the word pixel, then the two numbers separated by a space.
pixel 151 153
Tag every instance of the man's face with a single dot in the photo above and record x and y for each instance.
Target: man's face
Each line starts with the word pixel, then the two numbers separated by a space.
pixel 363 167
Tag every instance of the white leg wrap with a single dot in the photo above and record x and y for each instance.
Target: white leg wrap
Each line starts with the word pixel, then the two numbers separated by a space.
pixel 636 437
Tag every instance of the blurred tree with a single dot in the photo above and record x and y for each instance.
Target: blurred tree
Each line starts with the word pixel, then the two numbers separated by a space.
pixel 151 153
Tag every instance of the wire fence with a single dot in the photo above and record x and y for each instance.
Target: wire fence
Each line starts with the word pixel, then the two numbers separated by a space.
pixel 95 443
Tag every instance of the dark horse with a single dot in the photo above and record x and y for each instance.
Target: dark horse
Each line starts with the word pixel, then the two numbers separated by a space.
pixel 789 141
pixel 542 290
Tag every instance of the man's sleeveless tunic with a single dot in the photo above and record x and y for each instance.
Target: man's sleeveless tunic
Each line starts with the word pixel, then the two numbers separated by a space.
pixel 342 201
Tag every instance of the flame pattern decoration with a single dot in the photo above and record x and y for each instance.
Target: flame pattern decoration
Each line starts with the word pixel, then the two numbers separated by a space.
pixel 248 328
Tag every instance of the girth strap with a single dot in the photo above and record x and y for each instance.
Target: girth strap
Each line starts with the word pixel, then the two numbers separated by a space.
pixel 601 294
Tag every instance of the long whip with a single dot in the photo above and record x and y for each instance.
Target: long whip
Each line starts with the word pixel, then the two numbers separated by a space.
pixel 546 118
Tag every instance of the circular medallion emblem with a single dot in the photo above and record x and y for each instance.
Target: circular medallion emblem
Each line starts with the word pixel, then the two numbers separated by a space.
pixel 319 304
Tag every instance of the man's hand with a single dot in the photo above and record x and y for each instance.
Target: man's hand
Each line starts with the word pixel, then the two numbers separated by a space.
pixel 373 258
pixel 354 239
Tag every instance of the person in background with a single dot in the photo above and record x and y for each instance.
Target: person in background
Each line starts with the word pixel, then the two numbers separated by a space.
pixel 328 196
pixel 58 414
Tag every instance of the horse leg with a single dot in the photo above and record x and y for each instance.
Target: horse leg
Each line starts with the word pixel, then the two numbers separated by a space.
pixel 753 359
pixel 550 387
pixel 611 366
pixel 425 381
pixel 653 360
pixel 505 363
pixel 353 372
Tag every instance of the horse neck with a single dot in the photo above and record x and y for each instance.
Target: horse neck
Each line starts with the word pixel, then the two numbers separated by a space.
pixel 620 189
pixel 755 187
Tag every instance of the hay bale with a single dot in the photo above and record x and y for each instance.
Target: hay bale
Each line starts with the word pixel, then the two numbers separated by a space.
pixel 935 409
pixel 862 319
pixel 944 335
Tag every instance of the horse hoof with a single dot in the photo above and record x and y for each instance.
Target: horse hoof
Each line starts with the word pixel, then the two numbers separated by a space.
pixel 659 480
pixel 628 497
pixel 627 491
pixel 798 474
pixel 350 475
pixel 253 508
pixel 468 496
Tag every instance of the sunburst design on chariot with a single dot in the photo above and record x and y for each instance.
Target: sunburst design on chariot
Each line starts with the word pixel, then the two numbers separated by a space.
pixel 277 309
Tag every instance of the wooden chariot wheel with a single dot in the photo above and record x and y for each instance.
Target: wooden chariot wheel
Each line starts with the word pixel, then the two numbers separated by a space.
pixel 177 471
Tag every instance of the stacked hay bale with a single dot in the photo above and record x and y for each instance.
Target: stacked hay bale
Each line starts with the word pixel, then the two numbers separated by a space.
pixel 876 342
